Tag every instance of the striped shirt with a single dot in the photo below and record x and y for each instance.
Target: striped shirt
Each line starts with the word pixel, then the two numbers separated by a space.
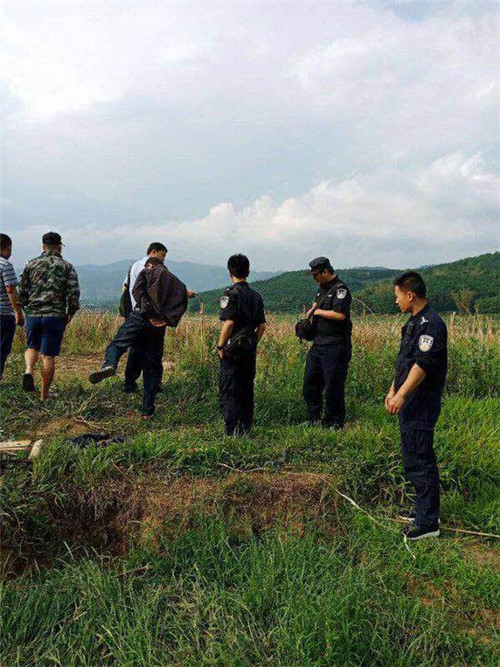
pixel 7 279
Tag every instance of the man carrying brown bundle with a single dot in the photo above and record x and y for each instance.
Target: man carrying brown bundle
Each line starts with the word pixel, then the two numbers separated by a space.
pixel 161 300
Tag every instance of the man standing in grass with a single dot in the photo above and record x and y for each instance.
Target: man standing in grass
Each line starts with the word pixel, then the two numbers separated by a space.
pixel 50 296
pixel 156 250
pixel 134 368
pixel 415 395
pixel 11 314
pixel 328 359
pixel 244 322
pixel 160 300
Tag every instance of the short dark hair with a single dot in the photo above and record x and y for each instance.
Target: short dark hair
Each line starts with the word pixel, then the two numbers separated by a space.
pixel 238 266
pixel 156 247
pixel 154 261
pixel 411 281
pixel 5 242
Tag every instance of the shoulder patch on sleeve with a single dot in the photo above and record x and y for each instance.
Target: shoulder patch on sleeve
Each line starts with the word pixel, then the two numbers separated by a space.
pixel 224 300
pixel 425 343
pixel 341 293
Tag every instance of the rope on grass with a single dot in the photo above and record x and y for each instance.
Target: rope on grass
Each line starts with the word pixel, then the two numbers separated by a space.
pixel 355 504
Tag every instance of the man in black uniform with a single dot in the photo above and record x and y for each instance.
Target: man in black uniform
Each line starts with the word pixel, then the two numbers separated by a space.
pixel 242 314
pixel 415 395
pixel 328 359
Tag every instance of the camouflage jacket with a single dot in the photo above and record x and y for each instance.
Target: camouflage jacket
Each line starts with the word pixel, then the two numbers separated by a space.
pixel 49 286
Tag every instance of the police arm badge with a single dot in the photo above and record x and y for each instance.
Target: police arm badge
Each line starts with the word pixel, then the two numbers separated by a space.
pixel 224 300
pixel 425 343
pixel 341 293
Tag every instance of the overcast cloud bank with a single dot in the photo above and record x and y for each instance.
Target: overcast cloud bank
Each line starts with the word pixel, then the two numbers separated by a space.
pixel 368 131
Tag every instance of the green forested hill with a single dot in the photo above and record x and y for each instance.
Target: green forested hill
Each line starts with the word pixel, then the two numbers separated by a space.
pixel 468 283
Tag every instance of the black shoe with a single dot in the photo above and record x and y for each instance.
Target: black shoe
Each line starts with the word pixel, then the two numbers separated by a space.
pixel 28 382
pixel 414 532
pixel 130 388
pixel 98 376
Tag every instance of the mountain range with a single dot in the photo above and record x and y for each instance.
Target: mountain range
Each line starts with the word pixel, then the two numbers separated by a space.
pixel 101 284
pixel 467 284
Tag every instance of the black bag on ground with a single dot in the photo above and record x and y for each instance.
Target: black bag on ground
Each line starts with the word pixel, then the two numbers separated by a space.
pixel 125 306
pixel 98 439
pixel 241 343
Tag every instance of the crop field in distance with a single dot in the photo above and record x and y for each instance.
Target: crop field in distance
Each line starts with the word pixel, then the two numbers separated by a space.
pixel 184 547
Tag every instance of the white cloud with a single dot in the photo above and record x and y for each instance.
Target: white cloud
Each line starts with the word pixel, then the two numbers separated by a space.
pixel 432 214
pixel 370 127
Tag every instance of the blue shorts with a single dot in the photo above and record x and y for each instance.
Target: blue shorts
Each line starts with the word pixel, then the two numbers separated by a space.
pixel 45 334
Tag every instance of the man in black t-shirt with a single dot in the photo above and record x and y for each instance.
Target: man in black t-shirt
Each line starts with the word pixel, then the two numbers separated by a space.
pixel 328 359
pixel 242 313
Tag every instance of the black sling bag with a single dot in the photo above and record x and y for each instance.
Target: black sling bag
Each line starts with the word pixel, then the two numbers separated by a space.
pixel 125 306
pixel 305 329
pixel 243 342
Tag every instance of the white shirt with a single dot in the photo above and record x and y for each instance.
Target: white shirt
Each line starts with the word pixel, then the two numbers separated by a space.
pixel 135 269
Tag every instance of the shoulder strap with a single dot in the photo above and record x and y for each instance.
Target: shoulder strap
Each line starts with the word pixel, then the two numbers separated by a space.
pixel 128 277
pixel 318 305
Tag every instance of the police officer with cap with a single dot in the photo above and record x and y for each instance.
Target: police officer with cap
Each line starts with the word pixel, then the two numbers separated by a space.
pixel 244 322
pixel 415 396
pixel 328 358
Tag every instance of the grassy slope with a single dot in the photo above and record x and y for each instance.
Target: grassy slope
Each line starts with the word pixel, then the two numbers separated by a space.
pixel 475 278
pixel 206 586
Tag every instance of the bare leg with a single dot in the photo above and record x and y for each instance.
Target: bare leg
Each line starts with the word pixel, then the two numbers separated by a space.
pixel 30 358
pixel 48 370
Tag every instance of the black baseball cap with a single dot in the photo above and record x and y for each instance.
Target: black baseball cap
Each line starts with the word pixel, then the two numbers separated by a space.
pixel 52 238
pixel 319 264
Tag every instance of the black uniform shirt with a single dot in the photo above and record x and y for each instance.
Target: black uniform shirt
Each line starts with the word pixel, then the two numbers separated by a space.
pixel 423 342
pixel 336 296
pixel 243 305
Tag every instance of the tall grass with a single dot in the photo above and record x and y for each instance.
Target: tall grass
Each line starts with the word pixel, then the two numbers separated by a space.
pixel 212 598
pixel 343 591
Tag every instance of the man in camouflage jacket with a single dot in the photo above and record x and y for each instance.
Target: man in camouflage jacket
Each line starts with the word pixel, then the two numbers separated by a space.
pixel 50 295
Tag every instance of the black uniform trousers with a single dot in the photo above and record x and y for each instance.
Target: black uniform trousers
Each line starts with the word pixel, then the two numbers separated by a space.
pixel 420 466
pixel 148 342
pixel 236 393
pixel 326 371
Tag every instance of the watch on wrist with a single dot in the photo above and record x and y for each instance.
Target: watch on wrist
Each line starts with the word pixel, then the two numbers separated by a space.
pixel 220 347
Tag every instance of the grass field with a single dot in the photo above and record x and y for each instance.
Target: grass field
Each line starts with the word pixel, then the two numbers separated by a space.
pixel 184 547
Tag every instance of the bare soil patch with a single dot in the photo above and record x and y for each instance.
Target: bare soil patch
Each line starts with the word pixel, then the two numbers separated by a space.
pixel 153 509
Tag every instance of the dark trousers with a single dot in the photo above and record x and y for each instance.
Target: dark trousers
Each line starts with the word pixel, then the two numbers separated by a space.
pixel 326 371
pixel 236 394
pixel 125 338
pixel 420 466
pixel 133 368
pixel 147 342
pixel 7 331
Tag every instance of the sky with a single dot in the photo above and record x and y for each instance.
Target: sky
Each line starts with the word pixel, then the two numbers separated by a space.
pixel 364 131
